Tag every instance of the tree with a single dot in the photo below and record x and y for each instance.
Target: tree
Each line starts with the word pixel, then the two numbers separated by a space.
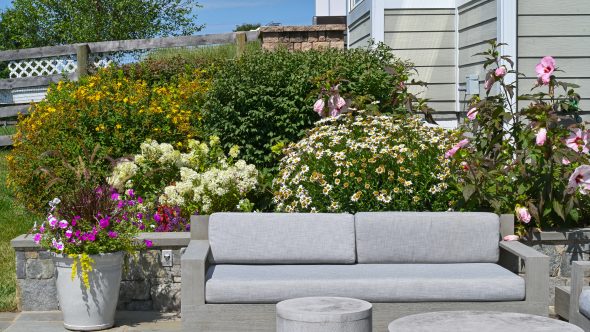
pixel 35 23
pixel 247 27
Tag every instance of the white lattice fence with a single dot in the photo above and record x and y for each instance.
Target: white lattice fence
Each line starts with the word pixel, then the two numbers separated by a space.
pixel 55 65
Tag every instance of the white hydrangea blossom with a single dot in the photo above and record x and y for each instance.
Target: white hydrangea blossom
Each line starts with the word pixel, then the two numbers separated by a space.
pixel 206 180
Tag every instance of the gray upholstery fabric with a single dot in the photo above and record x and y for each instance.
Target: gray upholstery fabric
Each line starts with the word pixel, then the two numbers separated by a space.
pixel 282 238
pixel 369 282
pixel 585 302
pixel 427 237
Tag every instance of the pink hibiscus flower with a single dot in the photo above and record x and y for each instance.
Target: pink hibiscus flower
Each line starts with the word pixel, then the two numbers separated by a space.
pixel 318 107
pixel 522 214
pixel 472 113
pixel 456 148
pixel 500 71
pixel 541 137
pixel 580 178
pixel 545 69
pixel 336 104
pixel 578 141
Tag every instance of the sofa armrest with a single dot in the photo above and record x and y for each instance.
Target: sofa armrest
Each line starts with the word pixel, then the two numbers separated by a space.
pixel 536 266
pixel 194 268
pixel 579 270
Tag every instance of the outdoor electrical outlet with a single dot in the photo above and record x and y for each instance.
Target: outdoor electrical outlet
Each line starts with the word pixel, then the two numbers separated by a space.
pixel 167 258
pixel 472 85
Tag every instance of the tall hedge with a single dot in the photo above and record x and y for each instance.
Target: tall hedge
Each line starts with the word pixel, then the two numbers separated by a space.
pixel 266 98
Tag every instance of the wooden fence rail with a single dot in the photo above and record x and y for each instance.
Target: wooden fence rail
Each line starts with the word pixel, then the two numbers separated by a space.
pixel 82 51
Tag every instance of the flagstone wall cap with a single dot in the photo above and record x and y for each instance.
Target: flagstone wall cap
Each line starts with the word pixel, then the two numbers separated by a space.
pixel 303 28
pixel 162 240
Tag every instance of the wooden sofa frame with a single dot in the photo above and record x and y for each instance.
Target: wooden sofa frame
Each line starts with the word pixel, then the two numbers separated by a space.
pixel 197 315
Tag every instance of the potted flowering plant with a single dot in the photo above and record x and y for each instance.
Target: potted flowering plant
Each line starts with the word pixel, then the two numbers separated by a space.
pixel 87 234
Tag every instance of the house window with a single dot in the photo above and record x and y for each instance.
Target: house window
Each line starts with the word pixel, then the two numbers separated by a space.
pixel 354 3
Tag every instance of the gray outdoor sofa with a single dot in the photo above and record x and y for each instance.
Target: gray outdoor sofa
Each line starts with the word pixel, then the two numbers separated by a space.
pixel 240 265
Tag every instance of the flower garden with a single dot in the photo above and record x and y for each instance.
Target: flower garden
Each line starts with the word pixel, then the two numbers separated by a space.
pixel 143 147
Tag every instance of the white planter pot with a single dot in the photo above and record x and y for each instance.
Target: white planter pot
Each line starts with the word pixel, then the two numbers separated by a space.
pixel 94 308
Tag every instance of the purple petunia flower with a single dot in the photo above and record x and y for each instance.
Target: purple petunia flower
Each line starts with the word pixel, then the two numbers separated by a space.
pixel 63 224
pixel 148 243
pixel 69 233
pixel 104 222
pixel 37 238
pixel 113 234
pixel 115 196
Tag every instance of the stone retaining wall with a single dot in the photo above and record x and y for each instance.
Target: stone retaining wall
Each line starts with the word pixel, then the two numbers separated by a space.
pixel 303 38
pixel 562 247
pixel 151 280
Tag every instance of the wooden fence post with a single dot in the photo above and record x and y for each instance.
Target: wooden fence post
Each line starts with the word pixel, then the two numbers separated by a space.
pixel 240 43
pixel 82 52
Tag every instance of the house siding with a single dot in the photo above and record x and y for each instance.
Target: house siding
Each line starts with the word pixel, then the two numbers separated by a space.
pixel 360 25
pixel 561 30
pixel 477 24
pixel 427 38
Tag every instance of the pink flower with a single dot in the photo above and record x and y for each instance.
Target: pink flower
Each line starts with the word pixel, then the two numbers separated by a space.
pixel 115 196
pixel 113 234
pixel 500 72
pixel 472 113
pixel 522 214
pixel 565 161
pixel 104 223
pixel 37 238
pixel 42 228
pixel 464 166
pixel 69 234
pixel 319 105
pixel 148 243
pixel 336 104
pixel 456 148
pixel 489 83
pixel 541 136
pixel 580 178
pixel 52 221
pixel 57 245
pixel 63 224
pixel 545 69
pixel 511 238
pixel 578 141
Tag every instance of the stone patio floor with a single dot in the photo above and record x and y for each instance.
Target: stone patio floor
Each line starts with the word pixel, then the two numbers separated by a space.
pixel 51 321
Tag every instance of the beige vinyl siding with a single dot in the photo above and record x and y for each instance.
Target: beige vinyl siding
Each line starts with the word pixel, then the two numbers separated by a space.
pixel 560 29
pixel 427 38
pixel 360 31
pixel 477 25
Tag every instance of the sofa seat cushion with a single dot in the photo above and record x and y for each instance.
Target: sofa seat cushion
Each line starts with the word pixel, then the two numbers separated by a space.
pixel 282 238
pixel 585 302
pixel 370 282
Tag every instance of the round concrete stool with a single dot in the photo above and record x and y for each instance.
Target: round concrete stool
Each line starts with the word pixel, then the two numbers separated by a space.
pixel 480 321
pixel 324 314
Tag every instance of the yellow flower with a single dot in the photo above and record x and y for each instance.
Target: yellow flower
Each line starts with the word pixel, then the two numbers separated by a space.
pixel 118 126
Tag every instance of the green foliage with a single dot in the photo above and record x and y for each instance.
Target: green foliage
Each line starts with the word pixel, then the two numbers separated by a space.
pixel 199 56
pixel 35 23
pixel 247 27
pixel 509 164
pixel 14 221
pixel 109 110
pixel 364 162
pixel 266 98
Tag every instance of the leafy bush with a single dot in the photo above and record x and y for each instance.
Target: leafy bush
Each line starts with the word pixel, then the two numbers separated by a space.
pixel 526 161
pixel 108 109
pixel 265 99
pixel 367 162
pixel 202 180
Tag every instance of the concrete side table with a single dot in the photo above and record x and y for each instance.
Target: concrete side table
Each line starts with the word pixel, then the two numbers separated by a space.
pixel 480 321
pixel 324 314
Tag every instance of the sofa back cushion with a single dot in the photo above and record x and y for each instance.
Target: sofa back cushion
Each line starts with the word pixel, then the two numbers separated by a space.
pixel 282 238
pixel 427 237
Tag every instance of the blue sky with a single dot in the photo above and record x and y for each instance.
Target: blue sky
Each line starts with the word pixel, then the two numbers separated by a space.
pixel 223 15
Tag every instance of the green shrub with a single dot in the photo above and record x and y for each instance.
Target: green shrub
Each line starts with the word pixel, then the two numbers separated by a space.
pixel 107 109
pixel 265 99
pixel 366 162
